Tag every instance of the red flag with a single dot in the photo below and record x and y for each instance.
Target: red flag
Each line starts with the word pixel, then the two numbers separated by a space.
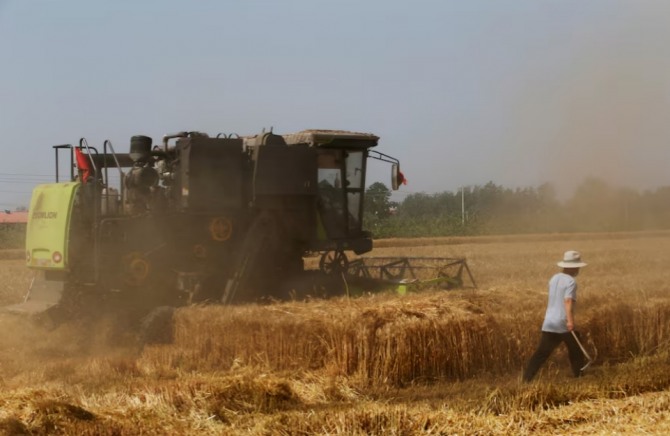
pixel 401 178
pixel 83 165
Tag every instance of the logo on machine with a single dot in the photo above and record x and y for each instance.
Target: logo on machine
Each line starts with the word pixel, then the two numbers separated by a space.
pixel 43 215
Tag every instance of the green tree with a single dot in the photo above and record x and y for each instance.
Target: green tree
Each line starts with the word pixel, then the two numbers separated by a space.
pixel 378 202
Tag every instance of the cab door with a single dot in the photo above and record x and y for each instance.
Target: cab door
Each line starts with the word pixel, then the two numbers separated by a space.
pixel 331 202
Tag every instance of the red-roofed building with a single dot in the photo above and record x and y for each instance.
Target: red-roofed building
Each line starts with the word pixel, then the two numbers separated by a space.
pixel 9 217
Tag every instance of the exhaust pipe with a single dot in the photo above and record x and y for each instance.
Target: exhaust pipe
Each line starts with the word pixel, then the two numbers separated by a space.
pixel 169 136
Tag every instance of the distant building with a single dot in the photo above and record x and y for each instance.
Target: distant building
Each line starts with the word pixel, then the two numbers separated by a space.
pixel 10 217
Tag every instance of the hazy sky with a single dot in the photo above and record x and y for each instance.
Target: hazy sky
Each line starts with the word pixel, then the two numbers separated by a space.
pixel 462 92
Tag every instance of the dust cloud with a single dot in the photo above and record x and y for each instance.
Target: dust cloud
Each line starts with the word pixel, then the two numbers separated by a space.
pixel 602 112
pixel 611 128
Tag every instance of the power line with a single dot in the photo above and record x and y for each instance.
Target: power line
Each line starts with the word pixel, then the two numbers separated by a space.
pixel 17 176
pixel 26 175
pixel 28 182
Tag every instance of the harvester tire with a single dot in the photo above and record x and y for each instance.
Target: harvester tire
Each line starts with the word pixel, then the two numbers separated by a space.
pixel 334 262
pixel 158 326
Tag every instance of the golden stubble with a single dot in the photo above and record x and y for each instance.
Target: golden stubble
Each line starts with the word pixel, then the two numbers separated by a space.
pixel 433 362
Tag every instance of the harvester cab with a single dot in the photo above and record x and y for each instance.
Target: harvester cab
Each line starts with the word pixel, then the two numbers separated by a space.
pixel 200 218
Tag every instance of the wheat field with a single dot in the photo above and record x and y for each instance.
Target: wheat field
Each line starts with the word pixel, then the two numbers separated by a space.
pixel 430 362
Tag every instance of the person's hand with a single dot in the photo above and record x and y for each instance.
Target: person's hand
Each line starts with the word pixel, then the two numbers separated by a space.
pixel 571 326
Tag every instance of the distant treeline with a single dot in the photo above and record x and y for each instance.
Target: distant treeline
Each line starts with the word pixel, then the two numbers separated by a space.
pixel 493 209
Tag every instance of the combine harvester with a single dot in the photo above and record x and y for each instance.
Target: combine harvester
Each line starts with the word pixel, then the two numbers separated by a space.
pixel 220 219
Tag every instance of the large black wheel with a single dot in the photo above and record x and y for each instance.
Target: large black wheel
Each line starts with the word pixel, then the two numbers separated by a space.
pixel 334 262
pixel 158 326
pixel 210 290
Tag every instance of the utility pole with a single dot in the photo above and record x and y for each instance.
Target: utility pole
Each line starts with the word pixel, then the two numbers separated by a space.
pixel 463 205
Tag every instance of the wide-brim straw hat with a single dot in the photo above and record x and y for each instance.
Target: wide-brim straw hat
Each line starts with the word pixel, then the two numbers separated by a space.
pixel 571 259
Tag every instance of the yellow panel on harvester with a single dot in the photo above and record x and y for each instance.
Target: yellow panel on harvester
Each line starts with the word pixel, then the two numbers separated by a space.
pixel 48 227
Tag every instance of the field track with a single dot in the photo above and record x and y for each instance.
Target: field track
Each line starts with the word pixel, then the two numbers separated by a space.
pixel 433 362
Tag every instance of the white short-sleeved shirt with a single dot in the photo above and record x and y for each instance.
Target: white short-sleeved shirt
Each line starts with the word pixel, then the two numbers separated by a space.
pixel 561 287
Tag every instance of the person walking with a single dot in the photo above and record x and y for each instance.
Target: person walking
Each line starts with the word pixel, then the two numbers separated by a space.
pixel 559 319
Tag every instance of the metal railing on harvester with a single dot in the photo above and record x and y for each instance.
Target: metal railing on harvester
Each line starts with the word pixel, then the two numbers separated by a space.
pixel 405 273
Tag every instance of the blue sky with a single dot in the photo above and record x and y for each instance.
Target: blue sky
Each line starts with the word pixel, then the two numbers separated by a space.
pixel 462 92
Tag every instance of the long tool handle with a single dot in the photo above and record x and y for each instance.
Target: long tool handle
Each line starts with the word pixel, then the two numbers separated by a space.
pixel 586 354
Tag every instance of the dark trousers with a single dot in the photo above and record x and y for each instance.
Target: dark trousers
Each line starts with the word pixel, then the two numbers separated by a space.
pixel 548 343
